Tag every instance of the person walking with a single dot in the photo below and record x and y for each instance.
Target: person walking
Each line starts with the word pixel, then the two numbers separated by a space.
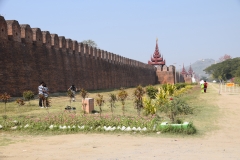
pixel 45 95
pixel 202 87
pixel 205 86
pixel 73 89
pixel 40 94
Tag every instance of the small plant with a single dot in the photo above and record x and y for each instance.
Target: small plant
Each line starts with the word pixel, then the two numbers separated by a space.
pixel 28 95
pixel 20 102
pixel 112 100
pixel 122 95
pixel 5 97
pixel 149 106
pixel 170 88
pixel 83 94
pixel 180 85
pixel 70 95
pixel 138 94
pixel 175 106
pixel 151 91
pixel 100 101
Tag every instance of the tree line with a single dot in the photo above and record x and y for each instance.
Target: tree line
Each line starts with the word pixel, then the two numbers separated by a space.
pixel 225 70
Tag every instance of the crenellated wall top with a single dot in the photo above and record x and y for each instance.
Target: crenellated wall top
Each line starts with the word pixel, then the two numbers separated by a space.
pixel 11 30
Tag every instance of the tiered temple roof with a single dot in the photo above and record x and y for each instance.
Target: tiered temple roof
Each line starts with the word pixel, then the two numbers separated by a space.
pixel 190 71
pixel 184 72
pixel 157 59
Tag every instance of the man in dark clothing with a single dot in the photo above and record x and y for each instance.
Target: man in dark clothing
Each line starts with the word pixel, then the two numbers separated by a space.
pixel 205 86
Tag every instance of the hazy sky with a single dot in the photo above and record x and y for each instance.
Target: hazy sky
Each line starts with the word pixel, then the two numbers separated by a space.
pixel 187 30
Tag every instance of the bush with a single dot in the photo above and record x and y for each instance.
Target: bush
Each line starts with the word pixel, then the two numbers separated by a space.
pixel 28 95
pixel 149 106
pixel 151 91
pixel 180 85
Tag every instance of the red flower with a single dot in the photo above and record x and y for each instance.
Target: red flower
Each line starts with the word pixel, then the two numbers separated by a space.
pixel 171 98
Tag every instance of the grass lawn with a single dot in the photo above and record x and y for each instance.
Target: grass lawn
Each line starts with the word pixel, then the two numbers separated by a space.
pixel 205 113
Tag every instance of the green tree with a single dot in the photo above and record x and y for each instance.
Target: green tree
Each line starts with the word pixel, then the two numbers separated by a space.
pixel 224 70
pixel 90 42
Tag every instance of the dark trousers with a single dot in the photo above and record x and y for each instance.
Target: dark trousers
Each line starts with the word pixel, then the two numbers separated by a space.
pixel 40 100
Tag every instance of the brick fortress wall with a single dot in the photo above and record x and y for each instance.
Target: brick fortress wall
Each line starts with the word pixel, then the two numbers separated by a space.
pixel 29 56
pixel 166 74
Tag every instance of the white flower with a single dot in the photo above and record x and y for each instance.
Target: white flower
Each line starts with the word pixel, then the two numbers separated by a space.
pixel 1 126
pixel 51 127
pixel 73 126
pixel 15 121
pixel 26 126
pixel 134 128
pixel 15 127
pixel 118 127
pixel 68 127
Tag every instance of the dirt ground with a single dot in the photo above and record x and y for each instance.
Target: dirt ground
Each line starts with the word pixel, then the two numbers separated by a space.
pixel 223 143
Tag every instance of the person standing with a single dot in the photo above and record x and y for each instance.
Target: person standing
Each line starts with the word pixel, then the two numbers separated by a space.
pixel 40 94
pixel 202 87
pixel 45 95
pixel 73 89
pixel 205 86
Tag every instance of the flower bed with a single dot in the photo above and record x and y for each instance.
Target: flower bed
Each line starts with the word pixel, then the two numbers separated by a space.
pixel 77 123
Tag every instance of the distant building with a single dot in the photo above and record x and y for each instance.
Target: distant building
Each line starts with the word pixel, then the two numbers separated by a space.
pixel 188 77
pixel 164 74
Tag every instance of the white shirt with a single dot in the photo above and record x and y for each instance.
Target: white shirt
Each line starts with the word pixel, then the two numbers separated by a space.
pixel 40 89
pixel 45 91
